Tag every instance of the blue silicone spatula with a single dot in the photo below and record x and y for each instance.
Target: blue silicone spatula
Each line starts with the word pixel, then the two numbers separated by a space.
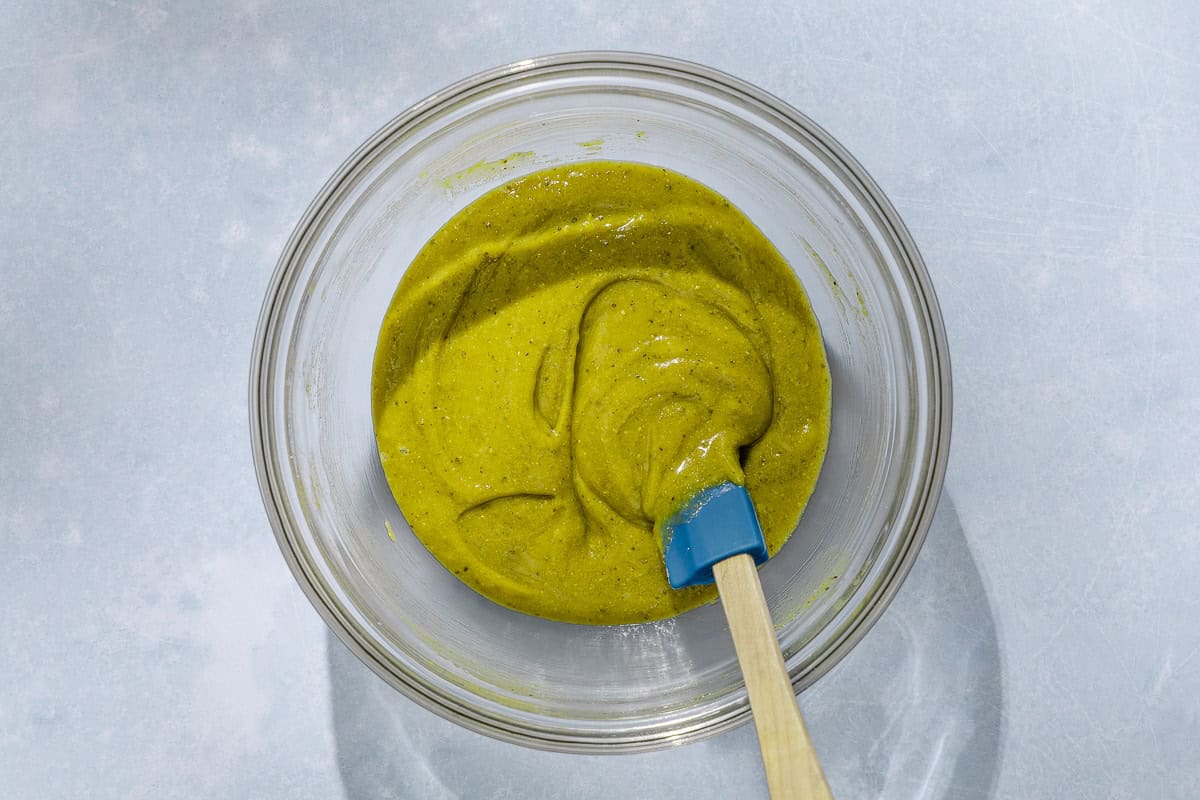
pixel 717 537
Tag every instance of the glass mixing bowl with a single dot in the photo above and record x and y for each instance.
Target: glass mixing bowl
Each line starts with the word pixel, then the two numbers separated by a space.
pixel 549 684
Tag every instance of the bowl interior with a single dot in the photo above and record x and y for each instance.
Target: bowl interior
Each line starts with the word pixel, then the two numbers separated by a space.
pixel 532 680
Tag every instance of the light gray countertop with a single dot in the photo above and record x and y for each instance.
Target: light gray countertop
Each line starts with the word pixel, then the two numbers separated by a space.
pixel 153 160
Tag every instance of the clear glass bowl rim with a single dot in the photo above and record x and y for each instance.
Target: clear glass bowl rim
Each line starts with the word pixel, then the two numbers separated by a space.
pixel 262 375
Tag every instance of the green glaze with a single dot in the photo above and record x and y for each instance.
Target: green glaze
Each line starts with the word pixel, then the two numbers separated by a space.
pixel 573 356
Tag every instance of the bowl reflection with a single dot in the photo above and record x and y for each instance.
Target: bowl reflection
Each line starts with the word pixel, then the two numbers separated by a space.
pixel 915 711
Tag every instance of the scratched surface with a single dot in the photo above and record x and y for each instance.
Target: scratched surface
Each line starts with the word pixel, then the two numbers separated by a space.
pixel 153 158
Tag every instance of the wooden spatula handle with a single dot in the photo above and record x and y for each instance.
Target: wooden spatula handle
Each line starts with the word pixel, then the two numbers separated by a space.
pixel 793 771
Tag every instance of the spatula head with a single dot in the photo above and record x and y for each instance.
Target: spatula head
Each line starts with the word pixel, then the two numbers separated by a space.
pixel 717 523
